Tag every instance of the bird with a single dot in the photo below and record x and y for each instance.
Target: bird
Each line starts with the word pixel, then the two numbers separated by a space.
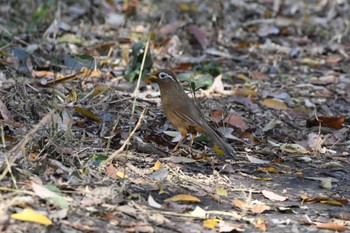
pixel 182 112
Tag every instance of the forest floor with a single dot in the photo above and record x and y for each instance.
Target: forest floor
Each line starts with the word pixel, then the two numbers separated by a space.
pixel 85 147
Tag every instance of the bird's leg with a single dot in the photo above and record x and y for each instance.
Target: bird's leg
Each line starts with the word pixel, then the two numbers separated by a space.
pixel 193 136
pixel 180 141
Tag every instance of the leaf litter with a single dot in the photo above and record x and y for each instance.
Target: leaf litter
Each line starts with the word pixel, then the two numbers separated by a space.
pixel 272 76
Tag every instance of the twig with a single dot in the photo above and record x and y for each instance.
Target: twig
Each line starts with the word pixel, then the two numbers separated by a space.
pixel 15 152
pixel 116 153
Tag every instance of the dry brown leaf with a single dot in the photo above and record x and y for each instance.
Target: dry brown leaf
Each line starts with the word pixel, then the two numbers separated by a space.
pixel 259 208
pixel 244 92
pixel 236 121
pixel 240 204
pixel 333 59
pixel 324 80
pixel 199 34
pixel 273 196
pixel 331 226
pixel 275 104
pixel 171 27
pixel 332 122
pixel 111 171
pixel 261 224
pixel 183 198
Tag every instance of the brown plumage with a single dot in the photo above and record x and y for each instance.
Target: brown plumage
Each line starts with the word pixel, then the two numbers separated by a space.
pixel 181 111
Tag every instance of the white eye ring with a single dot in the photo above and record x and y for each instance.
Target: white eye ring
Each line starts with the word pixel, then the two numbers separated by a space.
pixel 163 75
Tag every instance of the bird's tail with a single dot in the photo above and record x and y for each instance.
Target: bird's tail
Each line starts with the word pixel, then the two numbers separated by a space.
pixel 228 150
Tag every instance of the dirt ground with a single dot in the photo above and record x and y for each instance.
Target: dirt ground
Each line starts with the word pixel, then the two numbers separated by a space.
pixel 86 147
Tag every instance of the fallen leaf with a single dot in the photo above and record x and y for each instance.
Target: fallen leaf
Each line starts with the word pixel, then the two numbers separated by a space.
pixel 332 122
pixel 87 113
pixel 198 212
pixel 153 203
pixel 252 159
pixel 275 104
pixel 4 112
pixel 184 198
pixel 236 121
pixel 178 159
pixel 259 208
pixel 156 166
pixel 293 148
pixel 171 27
pixel 333 59
pixel 29 215
pixel 260 224
pixel 331 226
pixel 111 171
pixel 211 223
pixel 315 142
pixel 324 80
pixel 240 204
pixel 47 194
pixel 121 175
pixel 160 174
pixel 244 92
pixel 230 227
pixel 221 192
pixel 273 196
pixel 271 125
pixel 311 62
pixel 199 34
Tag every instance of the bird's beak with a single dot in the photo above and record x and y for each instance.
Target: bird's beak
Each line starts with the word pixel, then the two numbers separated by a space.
pixel 151 78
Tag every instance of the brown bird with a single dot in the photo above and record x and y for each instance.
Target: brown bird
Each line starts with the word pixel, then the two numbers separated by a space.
pixel 181 111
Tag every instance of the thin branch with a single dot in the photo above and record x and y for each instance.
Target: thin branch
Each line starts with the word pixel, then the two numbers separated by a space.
pixel 121 149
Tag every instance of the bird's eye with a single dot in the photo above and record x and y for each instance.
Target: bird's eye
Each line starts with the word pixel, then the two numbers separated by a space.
pixel 163 75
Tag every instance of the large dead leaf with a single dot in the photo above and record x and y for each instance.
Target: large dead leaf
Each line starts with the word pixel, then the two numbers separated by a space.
pixel 184 198
pixel 332 226
pixel 275 104
pixel 88 114
pixel 332 122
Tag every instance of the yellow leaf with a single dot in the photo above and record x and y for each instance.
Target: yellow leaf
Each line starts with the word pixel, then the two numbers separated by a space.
pixel 263 178
pixel 243 77
pixel 332 202
pixel 275 104
pixel 100 89
pixel 211 223
pixel 268 169
pixel 293 148
pixel 221 192
pixel 311 62
pixel 245 92
pixel 156 166
pixel 87 113
pixel 121 175
pixel 72 97
pixel 218 150
pixel 30 215
pixel 260 224
pixel 184 198
pixel 91 73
